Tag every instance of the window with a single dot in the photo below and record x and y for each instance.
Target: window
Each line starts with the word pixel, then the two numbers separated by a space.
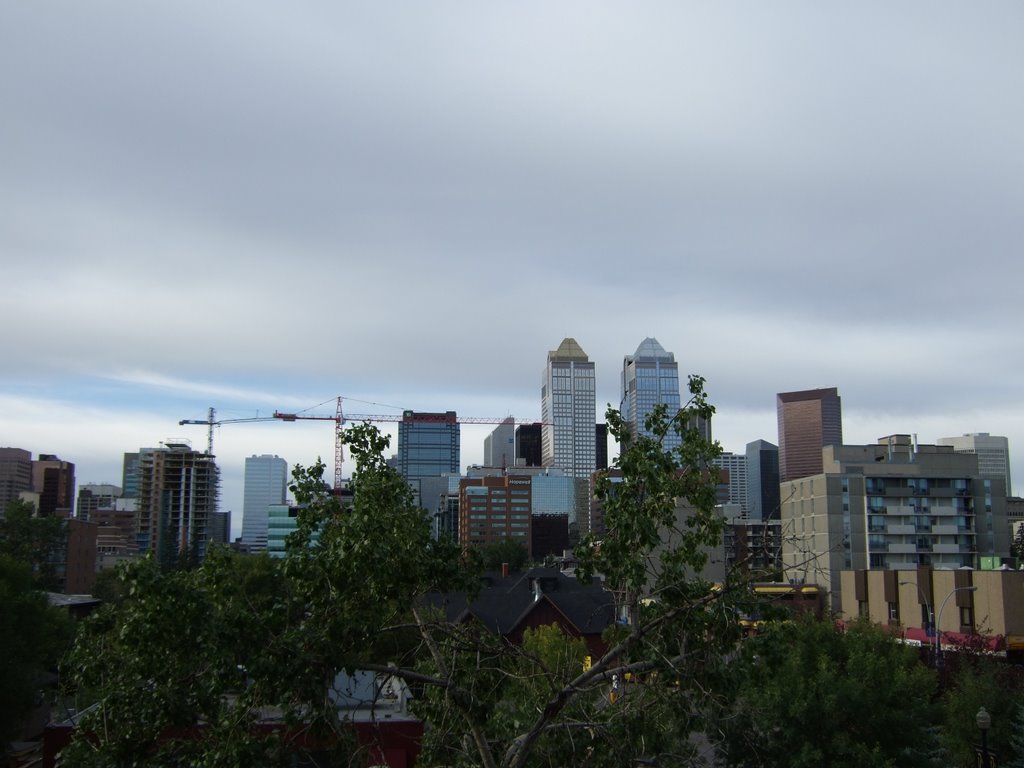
pixel 862 609
pixel 894 613
pixel 967 616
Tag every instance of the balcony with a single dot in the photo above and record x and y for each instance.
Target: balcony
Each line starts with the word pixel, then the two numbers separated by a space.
pixel 902 548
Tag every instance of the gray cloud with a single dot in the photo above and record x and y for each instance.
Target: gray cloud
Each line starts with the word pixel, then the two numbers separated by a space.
pixel 420 202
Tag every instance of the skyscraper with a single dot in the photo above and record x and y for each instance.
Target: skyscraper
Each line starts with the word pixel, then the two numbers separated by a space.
pixel 808 421
pixel 569 416
pixel 54 481
pixel 130 475
pixel 650 377
pixel 993 454
pixel 428 446
pixel 500 445
pixel 569 411
pixel 528 439
pixel 763 480
pixel 735 465
pixel 15 475
pixel 178 489
pixel 266 481
pixel 94 496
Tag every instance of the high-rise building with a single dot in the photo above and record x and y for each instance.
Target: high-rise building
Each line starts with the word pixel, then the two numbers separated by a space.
pixel 569 417
pixel 528 438
pixel 601 446
pixel 495 508
pixel 220 528
pixel 428 446
pixel 893 505
pixel 735 466
pixel 266 483
pixel 763 480
pixel 568 411
pixel 808 421
pixel 178 490
pixel 500 445
pixel 650 377
pixel 54 481
pixel 95 496
pixel 130 475
pixel 993 454
pixel 15 475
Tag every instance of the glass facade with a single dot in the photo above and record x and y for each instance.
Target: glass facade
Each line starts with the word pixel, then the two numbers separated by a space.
pixel 808 421
pixel 569 411
pixel 650 377
pixel 428 445
pixel 266 481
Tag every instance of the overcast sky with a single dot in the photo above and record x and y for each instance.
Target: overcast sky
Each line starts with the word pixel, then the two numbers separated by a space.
pixel 259 206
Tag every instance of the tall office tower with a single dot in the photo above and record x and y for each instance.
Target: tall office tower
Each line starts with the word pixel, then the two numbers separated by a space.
pixel 439 498
pixel 993 454
pixel 220 527
pixel 528 445
pixel 736 467
pixel 54 481
pixel 568 411
pixel 500 445
pixel 266 483
pixel 428 446
pixel 763 480
pixel 15 475
pixel 130 473
pixel 95 496
pixel 808 421
pixel 178 490
pixel 569 416
pixel 601 446
pixel 650 377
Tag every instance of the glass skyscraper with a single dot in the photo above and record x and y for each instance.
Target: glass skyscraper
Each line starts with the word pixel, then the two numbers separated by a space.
pixel 650 377
pixel 569 411
pixel 808 421
pixel 266 481
pixel 428 446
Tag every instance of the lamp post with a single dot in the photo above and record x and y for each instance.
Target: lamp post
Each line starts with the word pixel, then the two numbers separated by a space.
pixel 927 604
pixel 984 721
pixel 938 622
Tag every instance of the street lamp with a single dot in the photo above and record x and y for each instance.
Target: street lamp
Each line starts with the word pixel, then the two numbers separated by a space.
pixel 984 721
pixel 927 604
pixel 938 622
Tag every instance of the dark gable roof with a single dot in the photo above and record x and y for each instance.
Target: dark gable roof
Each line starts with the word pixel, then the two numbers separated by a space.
pixel 504 603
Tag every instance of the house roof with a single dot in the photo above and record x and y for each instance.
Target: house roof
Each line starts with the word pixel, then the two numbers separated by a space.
pixel 504 603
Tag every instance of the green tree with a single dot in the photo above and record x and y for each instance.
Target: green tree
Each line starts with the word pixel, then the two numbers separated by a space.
pixel 354 592
pixel 811 695
pixel 36 541
pixel 498 553
pixel 981 681
pixel 212 646
pixel 1017 545
pixel 32 636
pixel 661 522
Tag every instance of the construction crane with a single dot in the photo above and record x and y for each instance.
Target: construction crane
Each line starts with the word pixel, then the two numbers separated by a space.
pixel 340 417
pixel 210 423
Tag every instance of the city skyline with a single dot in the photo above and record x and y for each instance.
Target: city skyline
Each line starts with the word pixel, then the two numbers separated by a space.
pixel 340 200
